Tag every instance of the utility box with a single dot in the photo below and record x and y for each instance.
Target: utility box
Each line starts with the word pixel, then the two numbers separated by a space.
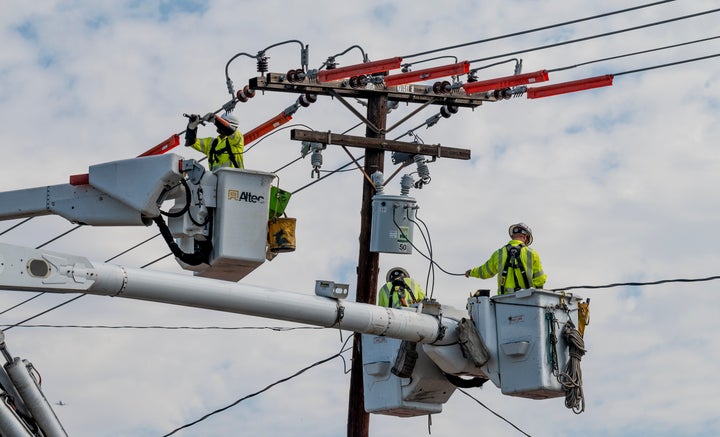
pixel 517 329
pixel 422 393
pixel 392 224
pixel 240 223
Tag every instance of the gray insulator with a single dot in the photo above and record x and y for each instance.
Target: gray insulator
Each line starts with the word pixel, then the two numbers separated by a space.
pixel 10 423
pixel 406 183
pixel 316 159
pixel 422 168
pixel 378 180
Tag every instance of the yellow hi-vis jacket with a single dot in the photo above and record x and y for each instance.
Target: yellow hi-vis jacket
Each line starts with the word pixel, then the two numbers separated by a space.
pixel 222 151
pixel 396 296
pixel 495 265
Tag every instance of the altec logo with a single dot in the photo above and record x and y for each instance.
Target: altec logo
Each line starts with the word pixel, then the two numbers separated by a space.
pixel 244 196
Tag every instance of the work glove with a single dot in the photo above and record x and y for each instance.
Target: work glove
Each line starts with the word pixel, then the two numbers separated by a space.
pixel 194 121
pixel 208 117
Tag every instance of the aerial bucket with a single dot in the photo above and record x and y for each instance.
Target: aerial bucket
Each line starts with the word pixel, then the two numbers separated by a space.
pixel 281 234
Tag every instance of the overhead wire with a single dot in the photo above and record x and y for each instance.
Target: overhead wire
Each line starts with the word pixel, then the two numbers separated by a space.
pixel 600 35
pixel 343 349
pixel 493 412
pixel 538 29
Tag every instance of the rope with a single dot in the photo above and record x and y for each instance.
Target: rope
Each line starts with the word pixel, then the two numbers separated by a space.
pixel 571 377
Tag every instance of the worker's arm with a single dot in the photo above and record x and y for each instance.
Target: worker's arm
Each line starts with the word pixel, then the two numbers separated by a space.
pixel 487 270
pixel 539 276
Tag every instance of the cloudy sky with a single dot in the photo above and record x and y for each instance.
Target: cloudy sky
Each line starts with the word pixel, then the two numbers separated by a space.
pixel 619 184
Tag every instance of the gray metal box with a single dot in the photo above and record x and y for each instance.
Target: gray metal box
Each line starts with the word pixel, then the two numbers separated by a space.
pixel 392 224
pixel 240 223
pixel 385 393
pixel 523 341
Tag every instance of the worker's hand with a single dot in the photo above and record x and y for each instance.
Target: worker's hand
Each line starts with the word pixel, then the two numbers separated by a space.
pixel 210 116
pixel 194 121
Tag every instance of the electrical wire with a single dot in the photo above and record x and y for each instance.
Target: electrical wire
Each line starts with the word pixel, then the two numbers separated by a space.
pixel 634 54
pixel 637 284
pixel 537 29
pixel 177 328
pixel 15 226
pixel 600 35
pixel 343 349
pixel 493 412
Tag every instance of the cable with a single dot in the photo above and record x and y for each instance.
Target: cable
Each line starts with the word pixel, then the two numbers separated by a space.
pixel 600 35
pixel 15 226
pixel 637 284
pixel 299 372
pixel 46 311
pixel 198 328
pixel 496 414
pixel 633 54
pixel 668 64
pixel 58 237
pixel 23 302
pixel 537 29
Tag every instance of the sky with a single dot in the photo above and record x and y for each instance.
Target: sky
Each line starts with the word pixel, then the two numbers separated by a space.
pixel 618 184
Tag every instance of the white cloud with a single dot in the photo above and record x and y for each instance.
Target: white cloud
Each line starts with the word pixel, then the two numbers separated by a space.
pixel 618 184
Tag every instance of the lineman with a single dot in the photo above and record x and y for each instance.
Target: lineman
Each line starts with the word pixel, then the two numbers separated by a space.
pixel 517 266
pixel 400 290
pixel 226 150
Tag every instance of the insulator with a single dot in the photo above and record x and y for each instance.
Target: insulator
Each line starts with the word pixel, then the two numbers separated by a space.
pixel 262 64
pixel 306 99
pixel 422 170
pixel 230 87
pixel 448 110
pixel 472 77
pixel 406 183
pixel 316 161
pixel 378 181
pixel 244 94
pixel 441 87
pixel 358 82
pixel 295 75
pixel 504 93
pixel 519 91
pixel 330 64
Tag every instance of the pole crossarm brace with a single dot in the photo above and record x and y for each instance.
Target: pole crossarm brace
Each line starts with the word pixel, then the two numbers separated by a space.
pixel 380 144
pixel 412 93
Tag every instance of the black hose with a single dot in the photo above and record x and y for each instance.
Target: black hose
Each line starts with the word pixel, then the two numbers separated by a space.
pixel 201 254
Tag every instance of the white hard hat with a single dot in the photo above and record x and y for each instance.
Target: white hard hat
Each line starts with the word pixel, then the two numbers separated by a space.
pixel 230 119
pixel 521 228
pixel 395 272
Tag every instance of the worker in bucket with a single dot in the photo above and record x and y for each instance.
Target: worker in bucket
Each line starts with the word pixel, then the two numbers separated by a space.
pixel 225 150
pixel 400 290
pixel 515 264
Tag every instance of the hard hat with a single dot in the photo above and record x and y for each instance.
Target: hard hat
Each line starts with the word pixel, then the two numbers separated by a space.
pixel 521 228
pixel 394 272
pixel 230 119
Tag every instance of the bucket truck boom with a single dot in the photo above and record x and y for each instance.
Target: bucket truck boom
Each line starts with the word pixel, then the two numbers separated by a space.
pixel 413 358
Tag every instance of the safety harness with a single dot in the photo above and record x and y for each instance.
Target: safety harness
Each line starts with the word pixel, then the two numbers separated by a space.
pixel 401 301
pixel 513 262
pixel 215 153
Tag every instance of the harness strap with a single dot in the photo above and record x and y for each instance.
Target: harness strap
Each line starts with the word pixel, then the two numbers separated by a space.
pixel 394 292
pixel 513 262
pixel 215 152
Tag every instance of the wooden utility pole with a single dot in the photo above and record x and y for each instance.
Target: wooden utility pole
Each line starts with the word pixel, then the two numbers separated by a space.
pixel 358 422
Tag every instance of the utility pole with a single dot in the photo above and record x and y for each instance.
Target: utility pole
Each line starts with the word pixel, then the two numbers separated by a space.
pixel 374 145
pixel 358 422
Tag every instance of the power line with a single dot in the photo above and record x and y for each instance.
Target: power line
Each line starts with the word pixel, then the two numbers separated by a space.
pixel 668 64
pixel 15 226
pixel 537 29
pixel 496 414
pixel 637 284
pixel 298 373
pixel 177 328
pixel 600 35
pixel 633 54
